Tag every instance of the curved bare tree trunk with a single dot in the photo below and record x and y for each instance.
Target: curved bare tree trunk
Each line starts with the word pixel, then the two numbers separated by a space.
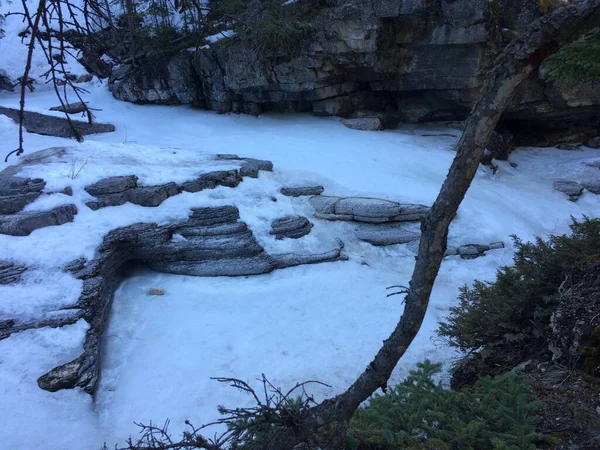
pixel 518 60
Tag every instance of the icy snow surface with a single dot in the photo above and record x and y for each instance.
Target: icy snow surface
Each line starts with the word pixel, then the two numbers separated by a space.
pixel 320 322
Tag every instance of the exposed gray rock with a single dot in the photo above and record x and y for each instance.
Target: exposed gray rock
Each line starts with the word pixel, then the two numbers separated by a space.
pixel 593 142
pixel 211 180
pixel 22 224
pixel 472 251
pixel 11 204
pixel 364 124
pixel 112 185
pixel 300 191
pixel 367 207
pixel 5 82
pixel 10 272
pixel 55 126
pixel 570 147
pixel 167 82
pixel 284 260
pixel 17 192
pixel 593 186
pixel 116 191
pixel 153 195
pixel 70 108
pixel 385 234
pixel 363 209
pixel 416 60
pixel 292 227
pixel 571 189
pixel 324 204
pixel 249 166
pixel 61 377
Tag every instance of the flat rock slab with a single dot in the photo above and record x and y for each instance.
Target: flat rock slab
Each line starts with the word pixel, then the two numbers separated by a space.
pixel 571 189
pixel 364 124
pixel 22 224
pixel 300 191
pixel 292 227
pixel 10 272
pixel 472 251
pixel 70 108
pixel 385 234
pixel 364 209
pixel 55 126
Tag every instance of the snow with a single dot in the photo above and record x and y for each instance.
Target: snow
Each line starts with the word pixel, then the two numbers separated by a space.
pixel 312 322
pixel 13 49
pixel 220 35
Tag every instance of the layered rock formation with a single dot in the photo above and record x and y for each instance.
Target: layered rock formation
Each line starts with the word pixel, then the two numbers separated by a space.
pixel 212 241
pixel 417 60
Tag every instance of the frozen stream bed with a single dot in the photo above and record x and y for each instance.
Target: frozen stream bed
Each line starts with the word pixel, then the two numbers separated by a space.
pixel 320 322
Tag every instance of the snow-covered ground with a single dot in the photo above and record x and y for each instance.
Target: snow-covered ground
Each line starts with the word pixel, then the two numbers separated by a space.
pixel 320 322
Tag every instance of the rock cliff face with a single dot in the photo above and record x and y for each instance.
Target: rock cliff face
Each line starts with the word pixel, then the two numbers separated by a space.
pixel 420 60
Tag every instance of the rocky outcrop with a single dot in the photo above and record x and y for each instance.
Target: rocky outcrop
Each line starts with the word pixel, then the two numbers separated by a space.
pixel 363 209
pixel 415 60
pixel 55 126
pixel 292 227
pixel 116 191
pixel 211 242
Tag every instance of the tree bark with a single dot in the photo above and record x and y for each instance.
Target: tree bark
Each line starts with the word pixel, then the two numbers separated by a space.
pixel 518 60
